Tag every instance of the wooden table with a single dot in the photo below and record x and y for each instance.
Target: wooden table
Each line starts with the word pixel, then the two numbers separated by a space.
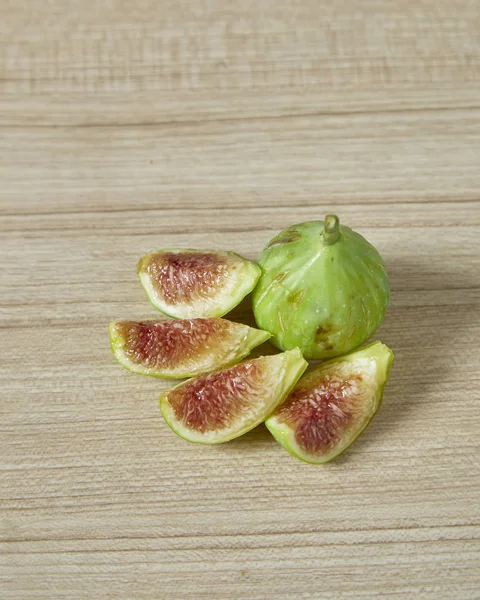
pixel 127 126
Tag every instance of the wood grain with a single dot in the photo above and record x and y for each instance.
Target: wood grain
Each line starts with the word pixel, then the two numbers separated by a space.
pixel 126 126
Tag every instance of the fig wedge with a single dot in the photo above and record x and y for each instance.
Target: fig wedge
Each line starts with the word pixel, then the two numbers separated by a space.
pixel 332 404
pixel 175 349
pixel 185 283
pixel 225 404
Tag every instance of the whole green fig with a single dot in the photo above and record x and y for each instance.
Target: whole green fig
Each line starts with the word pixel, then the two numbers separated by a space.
pixel 324 288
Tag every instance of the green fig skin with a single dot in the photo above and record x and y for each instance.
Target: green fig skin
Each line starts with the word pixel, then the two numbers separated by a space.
pixel 324 289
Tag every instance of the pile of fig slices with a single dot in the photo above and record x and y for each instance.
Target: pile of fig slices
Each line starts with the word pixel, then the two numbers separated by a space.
pixel 320 290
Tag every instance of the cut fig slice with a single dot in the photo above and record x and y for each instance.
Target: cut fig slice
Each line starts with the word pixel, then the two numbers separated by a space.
pixel 174 349
pixel 332 404
pixel 185 284
pixel 225 404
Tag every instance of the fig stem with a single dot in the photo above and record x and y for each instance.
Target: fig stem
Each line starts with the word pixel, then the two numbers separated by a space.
pixel 331 229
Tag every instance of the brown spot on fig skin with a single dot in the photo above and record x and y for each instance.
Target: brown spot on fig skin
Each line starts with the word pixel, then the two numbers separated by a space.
pixel 296 298
pixel 280 277
pixel 287 238
pixel 322 337
pixel 322 332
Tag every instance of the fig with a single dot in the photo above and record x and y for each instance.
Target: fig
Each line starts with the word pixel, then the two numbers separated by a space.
pixel 225 404
pixel 196 283
pixel 332 404
pixel 176 349
pixel 324 289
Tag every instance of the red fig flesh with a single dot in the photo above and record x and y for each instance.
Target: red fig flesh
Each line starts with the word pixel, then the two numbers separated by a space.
pixel 174 349
pixel 196 283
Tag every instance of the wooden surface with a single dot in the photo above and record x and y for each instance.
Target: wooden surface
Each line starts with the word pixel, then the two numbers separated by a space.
pixel 128 126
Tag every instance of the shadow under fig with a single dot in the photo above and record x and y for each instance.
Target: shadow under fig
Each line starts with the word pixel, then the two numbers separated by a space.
pixel 243 313
pixel 422 327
